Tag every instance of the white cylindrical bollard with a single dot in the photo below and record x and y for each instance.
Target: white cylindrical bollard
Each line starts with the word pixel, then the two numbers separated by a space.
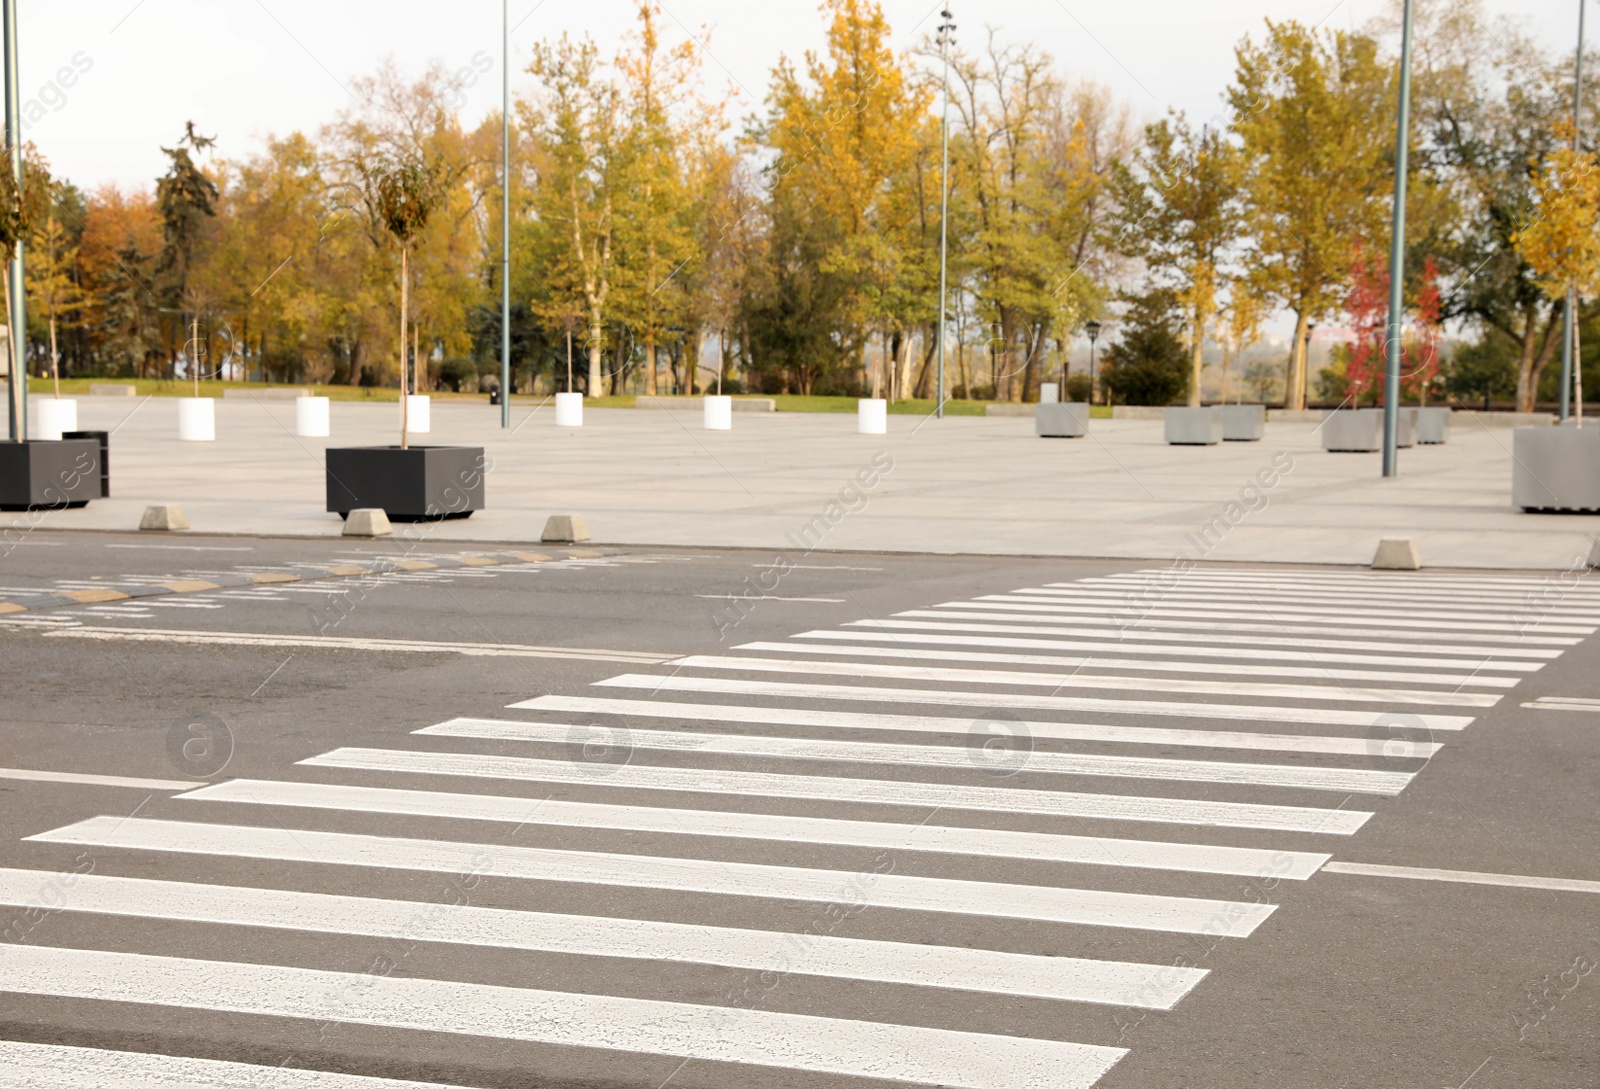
pixel 197 419
pixel 49 417
pixel 719 412
pixel 569 410
pixel 1049 393
pixel 418 419
pixel 311 417
pixel 872 416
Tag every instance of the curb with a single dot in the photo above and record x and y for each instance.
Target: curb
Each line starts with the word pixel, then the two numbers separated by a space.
pixel 25 603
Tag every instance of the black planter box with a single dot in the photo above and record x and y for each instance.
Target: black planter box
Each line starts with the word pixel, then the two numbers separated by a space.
pixel 104 439
pixel 49 474
pixel 419 484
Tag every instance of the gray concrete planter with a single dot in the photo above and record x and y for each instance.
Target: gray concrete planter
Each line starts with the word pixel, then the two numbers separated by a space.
pixel 1184 426
pixel 1069 420
pixel 1433 425
pixel 419 484
pixel 49 474
pixel 1556 468
pixel 1360 430
pixel 1244 423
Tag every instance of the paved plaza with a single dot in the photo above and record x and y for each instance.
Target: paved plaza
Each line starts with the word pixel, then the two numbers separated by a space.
pixel 792 481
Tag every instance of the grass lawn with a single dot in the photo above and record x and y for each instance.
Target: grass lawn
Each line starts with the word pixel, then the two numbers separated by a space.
pixel 787 402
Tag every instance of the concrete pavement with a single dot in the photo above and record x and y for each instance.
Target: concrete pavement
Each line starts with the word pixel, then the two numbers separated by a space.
pixel 794 482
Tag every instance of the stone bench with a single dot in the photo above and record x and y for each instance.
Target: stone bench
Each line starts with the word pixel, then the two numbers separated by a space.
pixel 112 389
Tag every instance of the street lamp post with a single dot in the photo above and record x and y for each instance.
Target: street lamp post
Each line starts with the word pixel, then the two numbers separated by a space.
pixel 505 213
pixel 17 333
pixel 1397 257
pixel 1569 324
pixel 1093 329
pixel 946 28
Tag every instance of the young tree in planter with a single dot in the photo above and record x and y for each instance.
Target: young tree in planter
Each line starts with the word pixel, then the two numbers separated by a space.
pixel 1368 306
pixel 403 194
pixel 1562 241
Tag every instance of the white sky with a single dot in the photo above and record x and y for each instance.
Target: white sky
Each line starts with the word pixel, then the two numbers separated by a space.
pixel 242 69
pixel 245 69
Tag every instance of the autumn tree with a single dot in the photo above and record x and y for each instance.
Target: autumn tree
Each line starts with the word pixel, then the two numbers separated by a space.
pixel 53 289
pixel 843 141
pixel 582 163
pixel 1311 113
pixel 1178 213
pixel 187 200
pixel 1561 242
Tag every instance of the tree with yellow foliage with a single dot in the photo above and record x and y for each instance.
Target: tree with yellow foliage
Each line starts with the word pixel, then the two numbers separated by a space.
pixel 1561 243
pixel 1178 204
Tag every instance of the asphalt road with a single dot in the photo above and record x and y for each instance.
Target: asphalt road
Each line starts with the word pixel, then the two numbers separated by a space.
pixel 818 936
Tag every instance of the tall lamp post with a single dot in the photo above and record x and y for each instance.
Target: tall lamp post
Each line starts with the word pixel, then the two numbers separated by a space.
pixel 505 213
pixel 1397 257
pixel 17 333
pixel 1569 324
pixel 1093 329
pixel 946 28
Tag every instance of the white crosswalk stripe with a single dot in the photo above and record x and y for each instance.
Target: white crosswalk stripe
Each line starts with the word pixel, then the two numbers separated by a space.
pixel 1060 978
pixel 925 837
pixel 1055 803
pixel 1210 669
pixel 1058 681
pixel 1424 619
pixel 982 700
pixel 933 724
pixel 1177 914
pixel 791 1041
pixel 1271 634
pixel 1358 780
pixel 53 1066
pixel 1095 764
pixel 1125 639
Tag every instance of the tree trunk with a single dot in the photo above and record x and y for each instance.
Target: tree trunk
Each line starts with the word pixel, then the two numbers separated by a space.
pixel 926 376
pixel 650 363
pixel 405 299
pixel 1197 337
pixel 1537 349
pixel 691 364
pixel 55 360
pixel 1294 387
pixel 593 387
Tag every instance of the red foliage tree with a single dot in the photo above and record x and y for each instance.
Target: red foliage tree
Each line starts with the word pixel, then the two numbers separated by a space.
pixel 1368 306
pixel 1367 303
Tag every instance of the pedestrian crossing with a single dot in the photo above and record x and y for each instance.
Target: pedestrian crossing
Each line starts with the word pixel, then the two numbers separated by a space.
pixel 1050 796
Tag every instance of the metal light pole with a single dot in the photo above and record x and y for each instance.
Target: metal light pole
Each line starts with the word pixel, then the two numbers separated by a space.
pixel 505 213
pixel 1569 326
pixel 18 330
pixel 1397 257
pixel 945 30
pixel 1093 329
